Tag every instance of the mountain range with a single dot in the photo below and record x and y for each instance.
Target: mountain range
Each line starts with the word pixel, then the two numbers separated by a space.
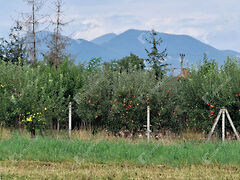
pixel 112 46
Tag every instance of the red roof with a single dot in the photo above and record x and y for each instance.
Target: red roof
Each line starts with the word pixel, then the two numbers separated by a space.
pixel 184 74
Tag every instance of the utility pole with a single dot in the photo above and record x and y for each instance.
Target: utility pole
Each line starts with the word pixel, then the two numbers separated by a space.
pixel 182 57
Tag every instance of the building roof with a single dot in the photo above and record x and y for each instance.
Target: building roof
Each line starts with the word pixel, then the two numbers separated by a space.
pixel 183 74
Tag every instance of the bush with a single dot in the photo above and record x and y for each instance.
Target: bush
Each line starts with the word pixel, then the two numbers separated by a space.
pixel 105 97
pixel 208 90
pixel 118 101
pixel 27 92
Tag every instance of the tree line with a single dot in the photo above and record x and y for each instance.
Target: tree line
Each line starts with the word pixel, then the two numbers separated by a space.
pixel 111 95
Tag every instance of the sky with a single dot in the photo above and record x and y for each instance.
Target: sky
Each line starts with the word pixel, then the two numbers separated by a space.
pixel 215 22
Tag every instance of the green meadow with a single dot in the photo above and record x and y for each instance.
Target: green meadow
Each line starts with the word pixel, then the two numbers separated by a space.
pixel 47 149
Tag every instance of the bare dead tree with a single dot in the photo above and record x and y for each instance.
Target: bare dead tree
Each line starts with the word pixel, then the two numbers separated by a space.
pixel 31 22
pixel 58 43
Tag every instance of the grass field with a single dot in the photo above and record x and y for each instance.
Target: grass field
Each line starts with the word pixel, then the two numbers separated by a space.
pixel 103 151
pixel 71 170
pixel 50 158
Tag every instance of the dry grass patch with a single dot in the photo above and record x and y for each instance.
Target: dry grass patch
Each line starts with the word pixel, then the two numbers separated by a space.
pixel 69 170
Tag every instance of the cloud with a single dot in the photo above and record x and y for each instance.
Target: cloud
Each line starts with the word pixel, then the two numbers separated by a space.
pixel 91 27
pixel 213 21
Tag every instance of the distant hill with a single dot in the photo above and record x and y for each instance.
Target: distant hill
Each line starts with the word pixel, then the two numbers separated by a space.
pixel 112 46
pixel 103 39
pixel 135 41
pixel 83 50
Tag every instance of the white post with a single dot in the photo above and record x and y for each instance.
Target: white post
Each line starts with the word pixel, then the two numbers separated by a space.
pixel 214 125
pixel 233 127
pixel 70 120
pixel 223 125
pixel 148 124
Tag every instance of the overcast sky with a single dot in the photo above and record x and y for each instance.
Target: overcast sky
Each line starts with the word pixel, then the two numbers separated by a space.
pixel 216 22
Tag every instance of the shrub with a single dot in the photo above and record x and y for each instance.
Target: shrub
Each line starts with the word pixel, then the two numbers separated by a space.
pixel 106 98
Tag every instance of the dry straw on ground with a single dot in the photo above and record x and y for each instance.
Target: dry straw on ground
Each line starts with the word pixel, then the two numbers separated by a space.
pixel 67 170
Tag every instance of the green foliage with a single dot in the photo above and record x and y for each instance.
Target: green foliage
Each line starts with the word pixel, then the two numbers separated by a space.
pixel 52 150
pixel 26 91
pixel 156 59
pixel 208 89
pixel 118 101
pixel 128 63
pixel 104 97
pixel 94 64
pixel 14 50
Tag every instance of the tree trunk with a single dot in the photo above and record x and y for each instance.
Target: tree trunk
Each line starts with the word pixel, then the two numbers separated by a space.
pixel 58 128
pixel 20 127
pixel 33 133
pixel 42 132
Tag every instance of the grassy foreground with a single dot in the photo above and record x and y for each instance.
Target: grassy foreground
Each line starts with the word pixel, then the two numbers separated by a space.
pixel 71 170
pixel 46 149
pixel 49 158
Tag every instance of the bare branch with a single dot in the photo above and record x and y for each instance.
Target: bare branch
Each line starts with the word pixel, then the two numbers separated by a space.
pixel 58 43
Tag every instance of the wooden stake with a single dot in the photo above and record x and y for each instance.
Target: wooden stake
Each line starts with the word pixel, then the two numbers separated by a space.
pixel 233 127
pixel 214 125
pixel 223 125
pixel 148 124
pixel 70 121
pixel 222 112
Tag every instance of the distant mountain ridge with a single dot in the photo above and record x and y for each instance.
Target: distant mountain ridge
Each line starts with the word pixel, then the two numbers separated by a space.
pixel 104 38
pixel 111 46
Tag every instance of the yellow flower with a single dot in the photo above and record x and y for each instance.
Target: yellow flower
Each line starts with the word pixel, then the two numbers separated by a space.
pixel 29 119
pixel 45 108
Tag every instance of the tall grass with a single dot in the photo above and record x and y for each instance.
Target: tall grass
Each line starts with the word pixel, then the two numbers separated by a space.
pixel 102 151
